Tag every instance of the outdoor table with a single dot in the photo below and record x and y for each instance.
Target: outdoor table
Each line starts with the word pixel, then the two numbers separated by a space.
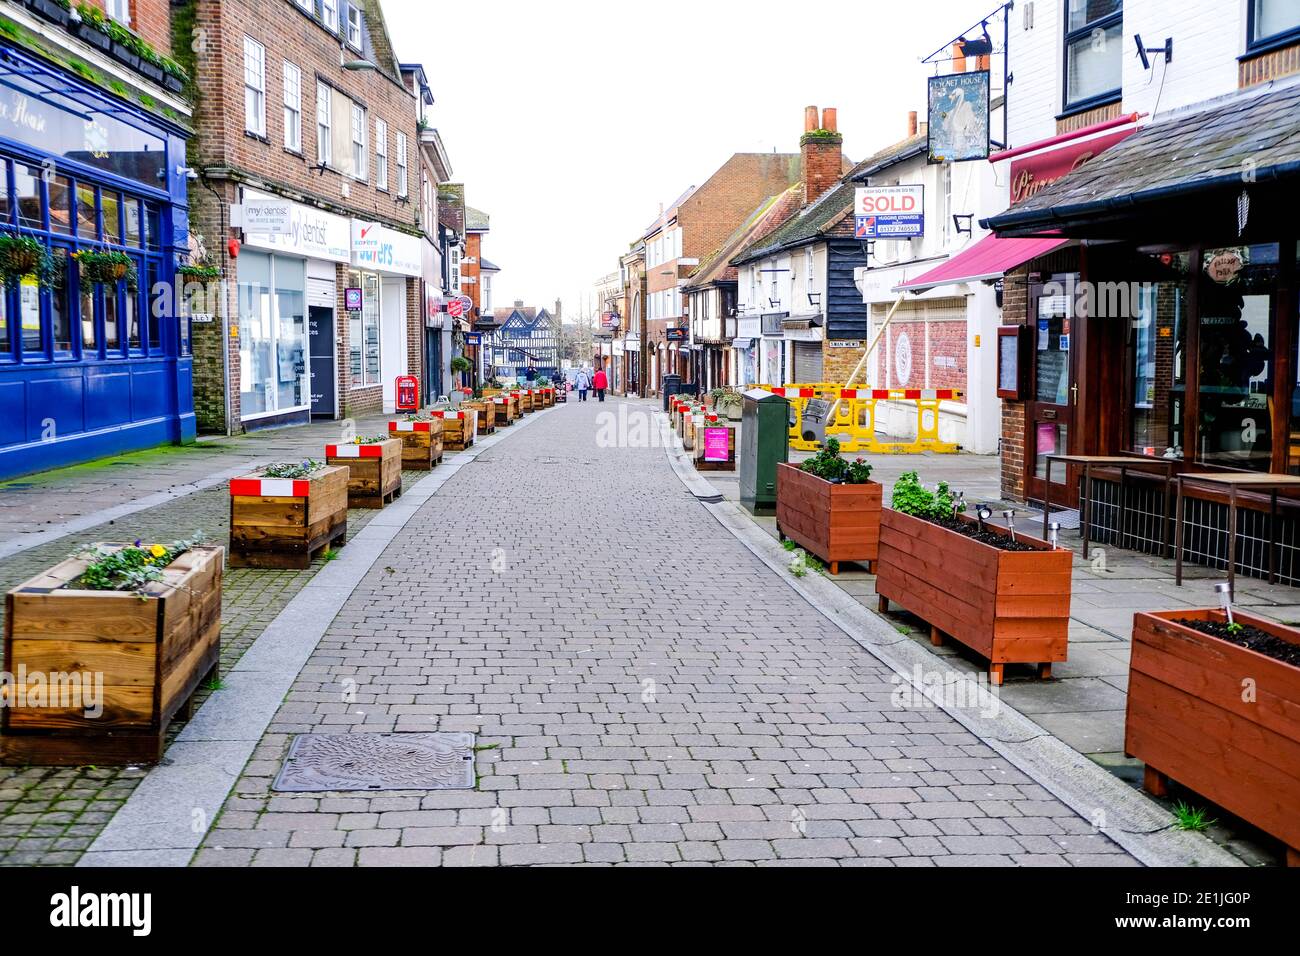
pixel 1232 482
pixel 1123 463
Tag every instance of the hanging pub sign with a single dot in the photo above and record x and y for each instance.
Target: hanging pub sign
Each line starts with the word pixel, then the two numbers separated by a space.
pixel 958 117
pixel 677 335
pixel 889 212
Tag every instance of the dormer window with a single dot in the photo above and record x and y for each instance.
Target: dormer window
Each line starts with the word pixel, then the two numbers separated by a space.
pixel 354 26
pixel 329 14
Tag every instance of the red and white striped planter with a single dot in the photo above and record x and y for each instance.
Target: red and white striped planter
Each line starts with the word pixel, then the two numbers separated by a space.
pixel 409 427
pixel 270 488
pixel 354 451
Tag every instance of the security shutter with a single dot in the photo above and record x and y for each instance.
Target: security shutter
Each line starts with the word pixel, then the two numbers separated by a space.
pixel 807 362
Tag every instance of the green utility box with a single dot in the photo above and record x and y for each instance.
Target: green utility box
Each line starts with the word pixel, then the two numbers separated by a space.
pixel 764 444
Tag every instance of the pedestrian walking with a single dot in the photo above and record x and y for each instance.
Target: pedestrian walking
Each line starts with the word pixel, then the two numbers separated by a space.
pixel 582 382
pixel 600 382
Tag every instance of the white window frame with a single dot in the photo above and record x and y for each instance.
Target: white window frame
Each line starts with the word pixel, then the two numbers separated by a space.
pixel 292 107
pixel 354 27
pixel 324 123
pixel 329 15
pixel 403 180
pixel 360 135
pixel 306 6
pixel 119 10
pixel 381 155
pixel 254 87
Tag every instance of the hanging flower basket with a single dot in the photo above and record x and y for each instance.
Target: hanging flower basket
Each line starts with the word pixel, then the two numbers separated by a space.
pixel 198 273
pixel 105 268
pixel 22 256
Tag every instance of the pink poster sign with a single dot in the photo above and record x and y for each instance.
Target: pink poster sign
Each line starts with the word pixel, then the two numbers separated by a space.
pixel 1047 438
pixel 716 444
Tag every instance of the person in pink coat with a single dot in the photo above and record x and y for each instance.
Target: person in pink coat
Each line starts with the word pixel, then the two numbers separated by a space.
pixel 600 382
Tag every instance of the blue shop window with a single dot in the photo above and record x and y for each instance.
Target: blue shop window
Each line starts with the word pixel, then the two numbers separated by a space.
pixel 39 317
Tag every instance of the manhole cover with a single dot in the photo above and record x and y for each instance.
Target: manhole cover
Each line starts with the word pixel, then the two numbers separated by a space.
pixel 349 762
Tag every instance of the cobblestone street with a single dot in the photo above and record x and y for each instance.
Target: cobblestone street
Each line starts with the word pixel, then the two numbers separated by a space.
pixel 643 690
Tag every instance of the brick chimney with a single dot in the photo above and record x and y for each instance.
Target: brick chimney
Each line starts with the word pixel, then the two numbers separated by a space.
pixel 823 156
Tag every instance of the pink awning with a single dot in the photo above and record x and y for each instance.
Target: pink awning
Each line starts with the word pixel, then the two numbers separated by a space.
pixel 989 258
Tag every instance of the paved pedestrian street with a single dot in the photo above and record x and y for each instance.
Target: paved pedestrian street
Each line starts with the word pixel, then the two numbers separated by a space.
pixel 643 690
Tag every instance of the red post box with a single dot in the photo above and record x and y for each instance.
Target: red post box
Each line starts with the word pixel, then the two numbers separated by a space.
pixel 408 393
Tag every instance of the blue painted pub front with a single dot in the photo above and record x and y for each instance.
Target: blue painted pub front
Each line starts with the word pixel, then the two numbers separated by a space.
pixel 89 369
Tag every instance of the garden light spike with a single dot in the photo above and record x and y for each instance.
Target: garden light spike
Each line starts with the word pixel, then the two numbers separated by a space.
pixel 1010 515
pixel 1054 534
pixel 1224 591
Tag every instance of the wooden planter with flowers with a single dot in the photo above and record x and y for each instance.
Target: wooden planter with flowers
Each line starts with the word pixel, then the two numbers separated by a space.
pixel 516 405
pixel 374 470
pixel 485 413
pixel 1216 707
pixel 1005 596
pixel 285 516
pixel 712 451
pixel 110 646
pixel 459 428
pixel 548 394
pixel 421 442
pixel 831 511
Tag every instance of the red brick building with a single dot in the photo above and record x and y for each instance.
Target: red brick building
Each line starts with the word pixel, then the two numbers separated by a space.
pixel 307 157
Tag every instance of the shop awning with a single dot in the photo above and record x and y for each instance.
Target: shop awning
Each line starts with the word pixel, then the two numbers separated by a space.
pixel 990 258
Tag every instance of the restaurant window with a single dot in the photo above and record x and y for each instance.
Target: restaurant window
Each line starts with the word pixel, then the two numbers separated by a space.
pixel 110 203
pixel 1094 40
pixel 87 225
pixel 153 320
pixel 61 302
pixel 273 334
pixel 1273 22
pixel 1158 343
pixel 1236 297
pixel 27 196
pixel 363 331
pixel 60 188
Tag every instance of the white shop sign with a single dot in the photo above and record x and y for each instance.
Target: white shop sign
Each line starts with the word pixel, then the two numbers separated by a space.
pixel 310 232
pixel 385 250
pixel 270 218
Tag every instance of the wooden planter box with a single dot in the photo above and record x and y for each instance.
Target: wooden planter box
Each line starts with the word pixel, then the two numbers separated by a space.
pixel 421 443
pixel 1188 721
pixel 548 397
pixel 486 413
pixel 152 653
pixel 516 406
pixel 1013 607
pixel 375 478
pixel 526 404
pixel 712 421
pixel 501 415
pixel 833 522
pixel 286 523
pixel 458 429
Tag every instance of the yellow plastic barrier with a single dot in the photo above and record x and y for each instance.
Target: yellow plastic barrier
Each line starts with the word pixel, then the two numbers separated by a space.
pixel 854 421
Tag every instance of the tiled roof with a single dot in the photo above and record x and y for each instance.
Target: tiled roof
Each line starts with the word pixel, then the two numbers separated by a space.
pixel 774 211
pixel 1203 147
pixel 903 149
pixel 485 266
pixel 475 220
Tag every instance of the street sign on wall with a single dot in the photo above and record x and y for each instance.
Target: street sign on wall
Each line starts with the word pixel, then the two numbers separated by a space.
pixel 889 212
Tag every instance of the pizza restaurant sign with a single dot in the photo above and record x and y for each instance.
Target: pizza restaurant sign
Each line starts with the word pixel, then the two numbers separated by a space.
pixel 1035 173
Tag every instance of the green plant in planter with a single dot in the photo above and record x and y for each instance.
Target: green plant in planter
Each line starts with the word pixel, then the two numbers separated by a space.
pixel 912 498
pixel 22 256
pixel 106 268
pixel 828 465
pixel 461 364
pixel 299 470
pixel 130 569
pixel 192 272
pixel 728 399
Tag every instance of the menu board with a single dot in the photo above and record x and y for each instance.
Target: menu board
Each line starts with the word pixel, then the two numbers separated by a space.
pixel 1010 357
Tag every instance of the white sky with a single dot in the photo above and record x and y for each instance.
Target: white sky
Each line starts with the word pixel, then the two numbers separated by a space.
pixel 569 123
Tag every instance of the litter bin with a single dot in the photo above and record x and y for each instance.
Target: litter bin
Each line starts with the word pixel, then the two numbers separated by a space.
pixel 672 386
pixel 812 426
pixel 764 444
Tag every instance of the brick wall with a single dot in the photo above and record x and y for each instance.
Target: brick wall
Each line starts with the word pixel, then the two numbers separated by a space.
pixel 717 208
pixel 1079 120
pixel 1015 311
pixel 289 35
pixel 470 268
pixel 838 364
pixel 1269 66
pixel 415 329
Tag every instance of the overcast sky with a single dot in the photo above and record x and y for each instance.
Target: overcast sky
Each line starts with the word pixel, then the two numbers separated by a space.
pixel 570 122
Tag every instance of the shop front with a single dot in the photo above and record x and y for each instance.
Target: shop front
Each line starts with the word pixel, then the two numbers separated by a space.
pixel 93 360
pixel 384 261
pixel 287 294
pixel 1170 333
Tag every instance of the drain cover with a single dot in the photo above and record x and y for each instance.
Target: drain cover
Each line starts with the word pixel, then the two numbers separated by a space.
pixel 350 762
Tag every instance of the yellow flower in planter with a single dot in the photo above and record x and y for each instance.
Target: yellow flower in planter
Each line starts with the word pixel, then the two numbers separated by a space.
pixel 157 550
